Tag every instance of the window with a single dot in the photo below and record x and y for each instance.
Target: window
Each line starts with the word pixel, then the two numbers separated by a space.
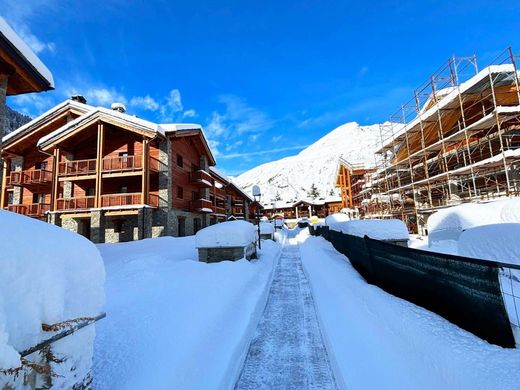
pixel 180 162
pixel 38 198
pixel 118 226
pixel 123 154
pixel 10 197
pixel 91 191
pixel 180 192
pixel 194 195
pixel 41 165
pixel 123 190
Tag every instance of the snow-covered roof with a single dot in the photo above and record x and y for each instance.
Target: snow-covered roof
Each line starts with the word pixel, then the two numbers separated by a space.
pixel 29 126
pixel 230 181
pixel 226 234
pixel 8 33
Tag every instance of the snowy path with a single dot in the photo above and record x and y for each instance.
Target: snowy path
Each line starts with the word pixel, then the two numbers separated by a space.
pixel 287 350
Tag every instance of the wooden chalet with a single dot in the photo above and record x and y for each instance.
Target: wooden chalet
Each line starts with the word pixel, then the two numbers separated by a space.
pixel 304 208
pixel 111 176
pixel 351 179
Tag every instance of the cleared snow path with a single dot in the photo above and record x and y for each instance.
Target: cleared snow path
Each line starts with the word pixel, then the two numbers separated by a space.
pixel 287 350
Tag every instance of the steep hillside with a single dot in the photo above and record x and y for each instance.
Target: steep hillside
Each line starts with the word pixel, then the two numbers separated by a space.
pixel 292 177
pixel 14 120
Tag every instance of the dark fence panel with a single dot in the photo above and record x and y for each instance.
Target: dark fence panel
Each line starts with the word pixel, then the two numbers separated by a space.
pixel 465 291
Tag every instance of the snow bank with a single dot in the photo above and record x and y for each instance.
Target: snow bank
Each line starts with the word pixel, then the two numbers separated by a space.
pixel 378 229
pixel 499 242
pixel 176 323
pixel 334 219
pixel 378 341
pixel 226 234
pixel 449 223
pixel 266 228
pixel 47 275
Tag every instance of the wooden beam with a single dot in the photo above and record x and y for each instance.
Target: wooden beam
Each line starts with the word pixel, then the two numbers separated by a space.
pixel 4 182
pixel 122 174
pixel 120 213
pixel 99 162
pixel 349 190
pixel 55 180
pixel 75 215
pixel 145 174
pixel 79 177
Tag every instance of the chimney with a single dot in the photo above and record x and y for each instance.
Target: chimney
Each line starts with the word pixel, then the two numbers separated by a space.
pixel 119 107
pixel 79 99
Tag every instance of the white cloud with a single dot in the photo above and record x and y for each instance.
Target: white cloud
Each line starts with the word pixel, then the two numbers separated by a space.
pixel 277 138
pixel 145 102
pixel 104 96
pixel 32 104
pixel 191 113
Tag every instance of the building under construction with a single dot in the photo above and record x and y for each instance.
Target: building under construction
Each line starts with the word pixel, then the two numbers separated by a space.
pixel 457 140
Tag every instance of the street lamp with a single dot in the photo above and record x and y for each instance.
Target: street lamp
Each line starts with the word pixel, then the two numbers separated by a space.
pixel 257 194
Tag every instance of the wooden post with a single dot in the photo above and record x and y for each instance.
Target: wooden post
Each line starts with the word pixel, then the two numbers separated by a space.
pixel 349 191
pixel 344 187
pixel 4 181
pixel 145 174
pixel 55 179
pixel 99 163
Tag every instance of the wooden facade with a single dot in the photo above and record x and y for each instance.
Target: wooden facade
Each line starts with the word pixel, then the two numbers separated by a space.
pixel 350 179
pixel 304 208
pixel 113 177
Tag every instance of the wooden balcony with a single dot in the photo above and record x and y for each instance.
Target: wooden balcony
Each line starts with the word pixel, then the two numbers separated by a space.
pixel 201 206
pixel 36 176
pixel 122 164
pixel 201 178
pixel 77 167
pixel 132 199
pixel 30 210
pixel 76 203
pixel 14 179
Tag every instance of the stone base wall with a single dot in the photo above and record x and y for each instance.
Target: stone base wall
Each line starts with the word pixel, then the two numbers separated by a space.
pixel 214 255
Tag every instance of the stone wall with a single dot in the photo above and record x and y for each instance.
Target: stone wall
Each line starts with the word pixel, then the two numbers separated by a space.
pixel 213 255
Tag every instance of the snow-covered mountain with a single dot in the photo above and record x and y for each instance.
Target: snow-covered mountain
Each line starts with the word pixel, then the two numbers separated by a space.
pixel 292 177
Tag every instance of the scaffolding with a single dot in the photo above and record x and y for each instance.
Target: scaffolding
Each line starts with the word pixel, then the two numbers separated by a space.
pixel 457 140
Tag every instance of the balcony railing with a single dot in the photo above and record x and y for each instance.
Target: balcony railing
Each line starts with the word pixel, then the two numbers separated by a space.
pixel 37 176
pixel 77 167
pixel 201 178
pixel 128 200
pixel 122 164
pixel 201 205
pixel 76 203
pixel 30 210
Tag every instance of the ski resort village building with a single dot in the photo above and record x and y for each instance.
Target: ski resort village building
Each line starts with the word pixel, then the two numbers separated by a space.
pixel 304 208
pixel 113 177
pixel 457 140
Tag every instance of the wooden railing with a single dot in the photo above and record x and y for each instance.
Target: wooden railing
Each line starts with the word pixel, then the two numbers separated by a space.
pixel 31 210
pixel 201 205
pixel 201 178
pixel 77 167
pixel 120 164
pixel 128 200
pixel 76 203
pixel 37 176
pixel 37 209
pixel 14 178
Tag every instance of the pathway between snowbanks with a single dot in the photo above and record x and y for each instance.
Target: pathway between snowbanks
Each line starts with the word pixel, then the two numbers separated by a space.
pixel 173 322
pixel 383 342
pixel 287 350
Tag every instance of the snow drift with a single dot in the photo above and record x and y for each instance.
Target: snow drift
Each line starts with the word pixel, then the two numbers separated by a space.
pixel 226 234
pixel 47 275
pixel 378 229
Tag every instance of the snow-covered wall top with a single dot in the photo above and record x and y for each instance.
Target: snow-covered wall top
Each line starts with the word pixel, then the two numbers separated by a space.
pixel 226 234
pixel 378 229
pixel 449 223
pixel 47 275
pixel 292 177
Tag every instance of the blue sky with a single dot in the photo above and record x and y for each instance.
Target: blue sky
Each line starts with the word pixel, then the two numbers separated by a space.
pixel 264 78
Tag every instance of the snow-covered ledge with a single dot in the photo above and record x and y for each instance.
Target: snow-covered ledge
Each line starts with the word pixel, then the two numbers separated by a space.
pixel 50 280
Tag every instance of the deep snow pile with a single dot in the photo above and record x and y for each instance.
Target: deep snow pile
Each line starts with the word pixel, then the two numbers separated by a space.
pixel 383 342
pixel 173 322
pixel 449 223
pixel 226 234
pixel 378 229
pixel 292 177
pixel 332 220
pixel 47 275
pixel 266 228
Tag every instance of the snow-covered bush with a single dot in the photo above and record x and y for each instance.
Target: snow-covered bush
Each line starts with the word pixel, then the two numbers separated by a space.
pixel 226 234
pixel 378 229
pixel 47 275
pixel 449 223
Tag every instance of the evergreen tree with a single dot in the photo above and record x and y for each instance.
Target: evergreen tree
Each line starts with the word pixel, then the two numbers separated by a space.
pixel 277 197
pixel 313 192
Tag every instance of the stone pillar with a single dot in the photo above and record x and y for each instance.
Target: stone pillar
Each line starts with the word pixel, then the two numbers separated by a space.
pixel 229 206
pixel 246 210
pixel 67 189
pixel 17 166
pixel 3 93
pixel 54 219
pixel 163 216
pixel 144 223
pixel 97 227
